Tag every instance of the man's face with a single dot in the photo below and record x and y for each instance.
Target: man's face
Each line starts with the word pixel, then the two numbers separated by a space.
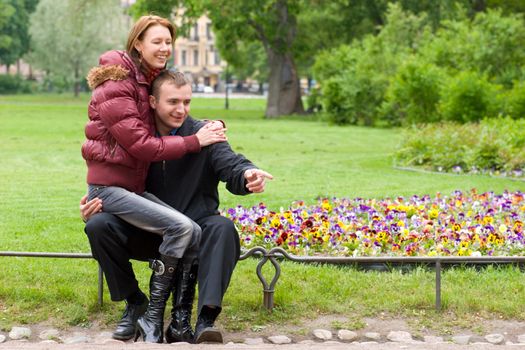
pixel 171 107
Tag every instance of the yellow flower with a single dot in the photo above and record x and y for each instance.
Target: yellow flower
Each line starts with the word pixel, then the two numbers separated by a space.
pixel 487 220
pixel 464 252
pixel 433 214
pixel 326 206
pixel 502 228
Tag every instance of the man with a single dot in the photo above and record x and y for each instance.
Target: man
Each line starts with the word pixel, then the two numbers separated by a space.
pixel 189 185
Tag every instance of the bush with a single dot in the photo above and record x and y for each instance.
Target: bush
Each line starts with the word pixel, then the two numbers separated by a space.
pixel 354 78
pixel 469 97
pixel 352 98
pixel 413 94
pixel 467 70
pixel 515 101
pixel 493 145
pixel 490 43
pixel 313 100
pixel 13 84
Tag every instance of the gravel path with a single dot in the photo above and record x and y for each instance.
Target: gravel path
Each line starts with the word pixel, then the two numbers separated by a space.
pixel 316 346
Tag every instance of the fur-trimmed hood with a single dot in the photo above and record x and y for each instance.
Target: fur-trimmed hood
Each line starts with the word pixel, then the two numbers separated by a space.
pixel 98 75
pixel 114 65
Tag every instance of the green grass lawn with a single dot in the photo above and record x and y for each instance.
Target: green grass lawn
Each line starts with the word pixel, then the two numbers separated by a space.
pixel 43 177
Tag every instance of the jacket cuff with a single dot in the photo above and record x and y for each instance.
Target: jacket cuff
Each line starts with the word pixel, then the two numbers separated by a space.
pixel 192 143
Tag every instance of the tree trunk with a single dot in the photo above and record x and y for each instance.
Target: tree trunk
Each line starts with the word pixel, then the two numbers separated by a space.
pixel 77 82
pixel 284 91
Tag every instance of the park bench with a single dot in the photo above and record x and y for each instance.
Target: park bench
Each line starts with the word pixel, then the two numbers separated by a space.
pixel 275 254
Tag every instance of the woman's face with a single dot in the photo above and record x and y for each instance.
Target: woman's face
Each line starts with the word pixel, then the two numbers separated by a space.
pixel 156 46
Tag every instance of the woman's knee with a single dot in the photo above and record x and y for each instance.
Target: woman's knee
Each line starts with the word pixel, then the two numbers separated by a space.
pixel 184 230
pixel 197 233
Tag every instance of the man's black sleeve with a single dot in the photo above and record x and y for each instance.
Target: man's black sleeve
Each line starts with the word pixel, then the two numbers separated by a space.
pixel 230 167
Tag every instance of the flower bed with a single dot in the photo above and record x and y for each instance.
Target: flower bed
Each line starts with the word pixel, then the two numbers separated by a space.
pixel 462 224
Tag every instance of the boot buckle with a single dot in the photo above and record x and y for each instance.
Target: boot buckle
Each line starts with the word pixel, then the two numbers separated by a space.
pixel 157 266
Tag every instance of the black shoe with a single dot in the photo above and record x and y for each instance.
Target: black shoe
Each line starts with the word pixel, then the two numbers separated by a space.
pixel 151 325
pixel 180 329
pixel 127 325
pixel 205 332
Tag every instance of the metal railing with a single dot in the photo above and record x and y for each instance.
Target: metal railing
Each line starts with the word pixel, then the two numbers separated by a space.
pixel 276 253
pixel 273 254
pixel 63 256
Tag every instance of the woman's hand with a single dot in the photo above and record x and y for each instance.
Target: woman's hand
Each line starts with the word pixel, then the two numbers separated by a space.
pixel 210 133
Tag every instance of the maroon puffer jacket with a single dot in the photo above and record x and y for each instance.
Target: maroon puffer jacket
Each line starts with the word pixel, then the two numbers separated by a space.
pixel 120 133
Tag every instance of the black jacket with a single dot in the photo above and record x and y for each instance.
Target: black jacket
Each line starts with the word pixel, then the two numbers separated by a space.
pixel 189 184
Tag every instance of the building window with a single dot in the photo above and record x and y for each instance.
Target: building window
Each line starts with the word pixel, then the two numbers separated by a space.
pixel 217 58
pixel 206 57
pixel 196 32
pixel 195 57
pixel 183 57
pixel 208 30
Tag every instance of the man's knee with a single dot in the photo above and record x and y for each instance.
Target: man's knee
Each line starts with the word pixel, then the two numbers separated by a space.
pixel 221 230
pixel 98 225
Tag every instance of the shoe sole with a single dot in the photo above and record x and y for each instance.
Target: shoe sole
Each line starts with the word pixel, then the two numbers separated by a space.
pixel 209 335
pixel 122 337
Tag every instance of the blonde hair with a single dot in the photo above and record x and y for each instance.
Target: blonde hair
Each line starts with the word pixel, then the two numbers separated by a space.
pixel 139 28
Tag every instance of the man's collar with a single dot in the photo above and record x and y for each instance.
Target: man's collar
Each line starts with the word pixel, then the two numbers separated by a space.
pixel 173 132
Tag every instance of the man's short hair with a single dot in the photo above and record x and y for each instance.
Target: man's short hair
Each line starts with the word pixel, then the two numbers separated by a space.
pixel 176 78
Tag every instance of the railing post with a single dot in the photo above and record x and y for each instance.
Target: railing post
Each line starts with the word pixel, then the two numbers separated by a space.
pixel 268 288
pixel 438 285
pixel 100 286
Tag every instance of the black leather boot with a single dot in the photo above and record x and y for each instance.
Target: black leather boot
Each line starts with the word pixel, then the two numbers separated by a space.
pixel 151 325
pixel 180 329
pixel 127 326
pixel 205 332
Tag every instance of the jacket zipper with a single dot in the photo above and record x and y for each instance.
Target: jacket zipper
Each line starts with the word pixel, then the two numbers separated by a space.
pixel 164 173
pixel 112 149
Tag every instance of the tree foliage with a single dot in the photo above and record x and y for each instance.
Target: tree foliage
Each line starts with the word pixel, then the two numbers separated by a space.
pixel 271 24
pixel 14 25
pixel 67 36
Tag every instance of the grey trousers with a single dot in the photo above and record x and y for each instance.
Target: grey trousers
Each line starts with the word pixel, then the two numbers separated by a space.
pixel 149 213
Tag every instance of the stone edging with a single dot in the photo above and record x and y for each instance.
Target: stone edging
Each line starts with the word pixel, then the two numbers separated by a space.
pixel 51 335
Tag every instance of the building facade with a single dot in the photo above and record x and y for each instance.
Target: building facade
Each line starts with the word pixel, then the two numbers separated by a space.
pixel 197 55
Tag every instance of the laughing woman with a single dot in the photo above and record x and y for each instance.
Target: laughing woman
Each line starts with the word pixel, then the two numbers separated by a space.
pixel 120 146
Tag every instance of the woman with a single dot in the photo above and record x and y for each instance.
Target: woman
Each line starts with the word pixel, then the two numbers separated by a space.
pixel 120 145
